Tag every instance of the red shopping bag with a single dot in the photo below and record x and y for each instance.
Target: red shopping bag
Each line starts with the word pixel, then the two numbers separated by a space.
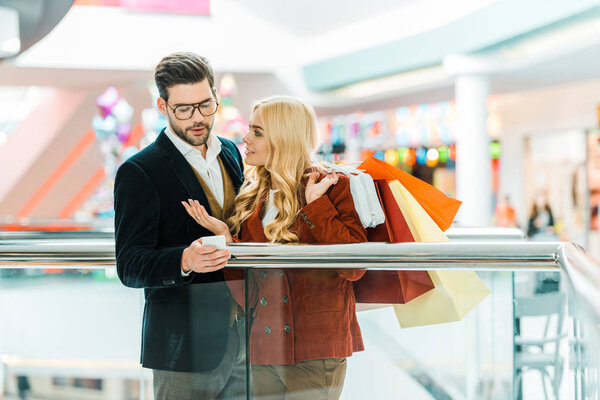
pixel 395 229
pixel 390 287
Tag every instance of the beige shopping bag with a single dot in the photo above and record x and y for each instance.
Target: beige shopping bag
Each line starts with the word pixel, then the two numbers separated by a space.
pixel 455 293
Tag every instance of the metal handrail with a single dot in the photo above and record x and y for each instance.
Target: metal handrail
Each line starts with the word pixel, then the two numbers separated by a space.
pixel 583 273
pixel 505 255
pixel 95 249
pixel 477 255
pixel 514 255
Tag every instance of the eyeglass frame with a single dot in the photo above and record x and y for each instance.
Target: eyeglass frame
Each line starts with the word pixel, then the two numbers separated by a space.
pixel 196 106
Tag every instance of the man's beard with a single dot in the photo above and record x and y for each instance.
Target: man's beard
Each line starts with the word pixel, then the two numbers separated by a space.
pixel 190 137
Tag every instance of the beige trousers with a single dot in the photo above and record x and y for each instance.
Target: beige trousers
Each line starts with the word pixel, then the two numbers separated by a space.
pixel 311 380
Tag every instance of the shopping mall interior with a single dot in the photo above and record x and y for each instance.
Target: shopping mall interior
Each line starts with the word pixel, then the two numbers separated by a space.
pixel 495 103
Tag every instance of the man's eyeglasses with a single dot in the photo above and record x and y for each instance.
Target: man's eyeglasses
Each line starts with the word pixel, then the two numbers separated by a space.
pixel 186 111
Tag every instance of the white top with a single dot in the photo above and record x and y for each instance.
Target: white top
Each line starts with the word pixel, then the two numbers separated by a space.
pixel 271 211
pixel 208 168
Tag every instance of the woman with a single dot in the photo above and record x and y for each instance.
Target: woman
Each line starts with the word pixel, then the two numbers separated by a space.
pixel 304 321
pixel 541 220
pixel 541 228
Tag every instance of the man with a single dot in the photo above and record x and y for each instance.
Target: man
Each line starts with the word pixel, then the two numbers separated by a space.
pixel 193 333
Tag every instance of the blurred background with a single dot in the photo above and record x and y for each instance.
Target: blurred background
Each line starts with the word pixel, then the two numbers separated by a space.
pixel 495 102
pixel 485 99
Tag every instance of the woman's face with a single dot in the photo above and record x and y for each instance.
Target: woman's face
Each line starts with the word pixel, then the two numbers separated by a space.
pixel 540 201
pixel 257 152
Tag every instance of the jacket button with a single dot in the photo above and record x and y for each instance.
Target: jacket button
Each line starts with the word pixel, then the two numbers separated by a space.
pixel 263 275
pixel 285 299
pixel 287 329
pixel 268 330
pixel 263 301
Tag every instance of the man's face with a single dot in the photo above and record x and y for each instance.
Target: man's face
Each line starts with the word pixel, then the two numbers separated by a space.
pixel 196 129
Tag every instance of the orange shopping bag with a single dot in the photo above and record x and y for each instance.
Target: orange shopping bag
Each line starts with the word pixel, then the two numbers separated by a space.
pixel 441 208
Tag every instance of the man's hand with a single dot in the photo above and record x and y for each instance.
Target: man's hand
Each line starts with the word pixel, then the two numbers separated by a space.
pixel 203 259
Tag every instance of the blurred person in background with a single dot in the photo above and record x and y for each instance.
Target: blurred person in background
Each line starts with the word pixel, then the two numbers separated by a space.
pixel 23 387
pixel 541 220
pixel 505 214
pixel 305 322
pixel 541 228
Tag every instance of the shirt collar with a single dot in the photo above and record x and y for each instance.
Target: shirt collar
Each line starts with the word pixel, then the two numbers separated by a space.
pixel 213 145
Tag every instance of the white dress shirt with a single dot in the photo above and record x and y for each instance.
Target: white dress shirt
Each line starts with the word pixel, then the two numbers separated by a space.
pixel 209 167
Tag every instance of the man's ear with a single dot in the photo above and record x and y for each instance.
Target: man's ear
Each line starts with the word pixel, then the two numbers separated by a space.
pixel 162 106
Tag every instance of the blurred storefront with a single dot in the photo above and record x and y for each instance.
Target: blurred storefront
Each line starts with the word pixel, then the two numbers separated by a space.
pixel 549 139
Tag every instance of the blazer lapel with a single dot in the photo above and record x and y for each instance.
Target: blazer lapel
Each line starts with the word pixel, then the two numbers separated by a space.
pixel 181 169
pixel 231 165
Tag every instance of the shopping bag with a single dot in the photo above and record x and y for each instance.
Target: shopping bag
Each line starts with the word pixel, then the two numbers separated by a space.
pixel 390 287
pixel 421 226
pixel 364 194
pixel 455 292
pixel 441 208
pixel 394 229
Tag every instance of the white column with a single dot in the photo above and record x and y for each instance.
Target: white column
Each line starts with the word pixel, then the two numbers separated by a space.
pixel 512 173
pixel 473 168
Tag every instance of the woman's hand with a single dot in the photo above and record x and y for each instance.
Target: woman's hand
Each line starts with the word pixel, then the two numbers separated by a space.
pixel 315 190
pixel 200 215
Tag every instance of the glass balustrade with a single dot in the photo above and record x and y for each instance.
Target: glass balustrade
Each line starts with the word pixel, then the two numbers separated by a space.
pixel 72 330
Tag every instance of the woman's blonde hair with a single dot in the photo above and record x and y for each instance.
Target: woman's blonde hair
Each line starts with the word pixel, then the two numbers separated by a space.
pixel 290 128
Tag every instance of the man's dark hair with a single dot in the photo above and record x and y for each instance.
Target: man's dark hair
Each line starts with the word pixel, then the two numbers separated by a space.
pixel 182 68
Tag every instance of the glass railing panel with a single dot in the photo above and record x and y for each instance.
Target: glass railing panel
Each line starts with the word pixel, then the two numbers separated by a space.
pixel 582 285
pixel 584 358
pixel 78 331
pixel 69 333
pixel 93 327
pixel 541 336
pixel 557 329
pixel 470 358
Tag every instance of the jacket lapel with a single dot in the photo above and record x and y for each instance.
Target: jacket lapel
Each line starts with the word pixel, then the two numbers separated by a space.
pixel 181 169
pixel 231 165
pixel 252 228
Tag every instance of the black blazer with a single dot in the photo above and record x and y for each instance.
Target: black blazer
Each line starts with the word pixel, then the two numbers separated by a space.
pixel 186 319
